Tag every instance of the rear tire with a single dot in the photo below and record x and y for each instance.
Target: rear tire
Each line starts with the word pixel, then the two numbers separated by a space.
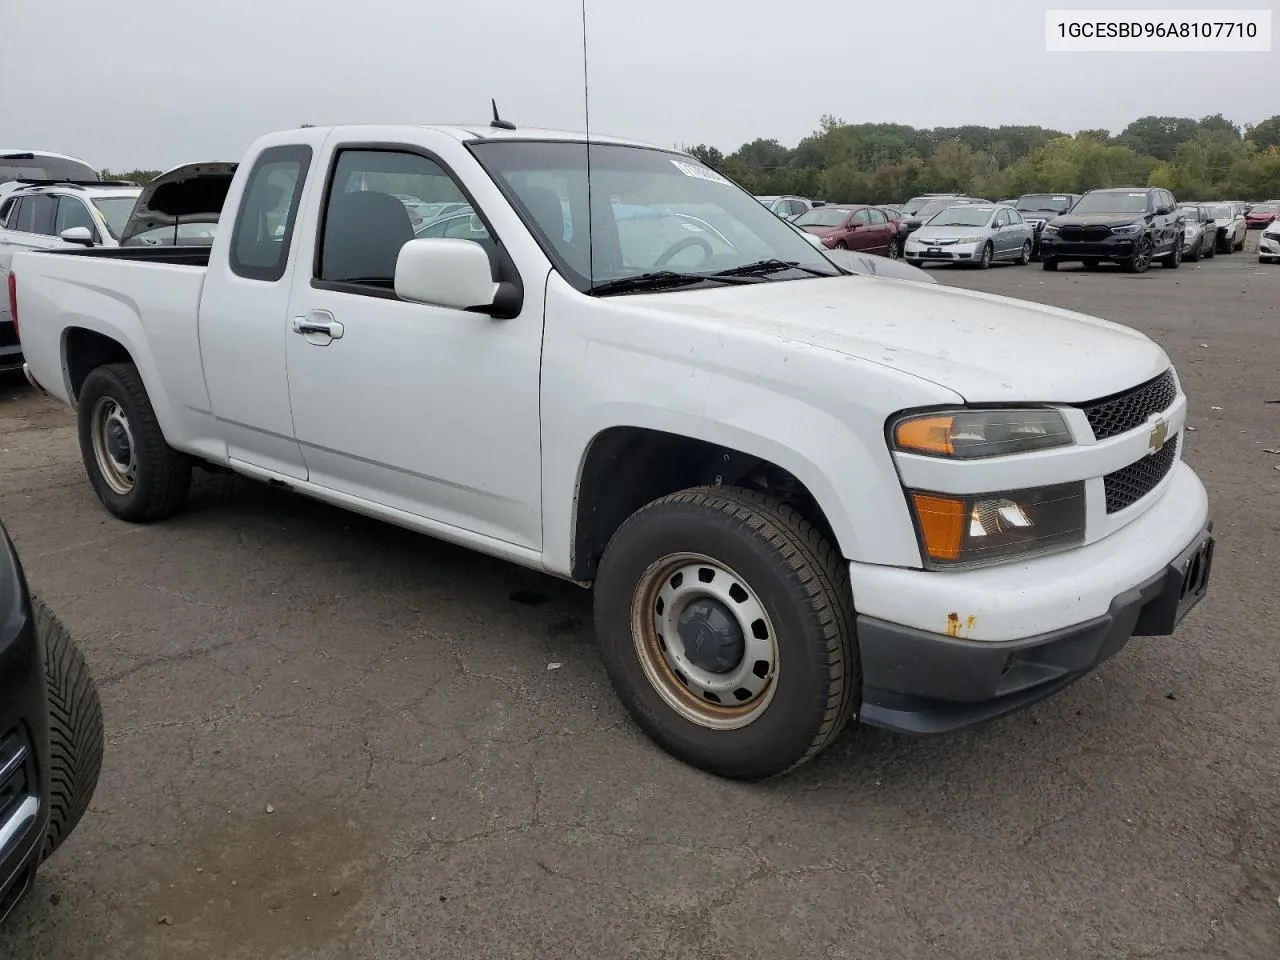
pixel 1025 257
pixel 775 570
pixel 75 729
pixel 1173 260
pixel 135 473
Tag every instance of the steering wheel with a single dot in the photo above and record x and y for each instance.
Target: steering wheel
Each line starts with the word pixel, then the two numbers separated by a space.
pixel 681 245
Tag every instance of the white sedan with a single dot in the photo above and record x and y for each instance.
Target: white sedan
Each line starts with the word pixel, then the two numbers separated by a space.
pixel 1269 243
pixel 972 235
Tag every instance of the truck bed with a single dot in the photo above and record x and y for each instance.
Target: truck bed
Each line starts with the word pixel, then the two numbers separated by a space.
pixel 193 256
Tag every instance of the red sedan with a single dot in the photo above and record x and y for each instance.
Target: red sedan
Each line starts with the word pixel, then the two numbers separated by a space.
pixel 853 226
pixel 1261 215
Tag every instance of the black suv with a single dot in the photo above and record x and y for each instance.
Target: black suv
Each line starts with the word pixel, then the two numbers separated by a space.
pixel 1037 209
pixel 50 732
pixel 1131 226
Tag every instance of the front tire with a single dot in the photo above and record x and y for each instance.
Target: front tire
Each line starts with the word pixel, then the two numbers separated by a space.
pixel 895 249
pixel 75 729
pixel 984 262
pixel 135 473
pixel 1140 260
pixel 726 625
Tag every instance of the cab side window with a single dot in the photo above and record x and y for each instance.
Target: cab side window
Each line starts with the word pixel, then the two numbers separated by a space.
pixel 367 218
pixel 268 210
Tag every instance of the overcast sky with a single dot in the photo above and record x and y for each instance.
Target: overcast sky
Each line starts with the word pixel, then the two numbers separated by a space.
pixel 154 83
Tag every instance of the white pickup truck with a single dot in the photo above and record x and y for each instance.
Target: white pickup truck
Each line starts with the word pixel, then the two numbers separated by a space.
pixel 800 495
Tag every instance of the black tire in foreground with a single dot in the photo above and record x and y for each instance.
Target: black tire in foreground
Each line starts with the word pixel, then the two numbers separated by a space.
pixel 75 728
pixel 726 625
pixel 135 473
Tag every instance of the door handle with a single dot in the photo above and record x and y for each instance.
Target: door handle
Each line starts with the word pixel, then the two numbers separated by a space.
pixel 325 328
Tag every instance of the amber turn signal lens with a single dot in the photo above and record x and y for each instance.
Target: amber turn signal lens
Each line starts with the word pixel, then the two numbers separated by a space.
pixel 925 435
pixel 941 525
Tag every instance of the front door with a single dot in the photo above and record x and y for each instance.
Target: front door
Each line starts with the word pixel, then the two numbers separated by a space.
pixel 424 409
pixel 861 236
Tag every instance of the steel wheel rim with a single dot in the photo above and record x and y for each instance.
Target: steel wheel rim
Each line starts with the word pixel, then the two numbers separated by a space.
pixel 668 589
pixel 113 445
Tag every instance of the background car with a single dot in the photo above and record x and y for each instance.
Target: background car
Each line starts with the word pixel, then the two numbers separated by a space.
pixel 46 217
pixel 1131 226
pixel 1231 225
pixel 50 732
pixel 846 226
pixel 788 208
pixel 1038 208
pixel 1269 243
pixel 1261 214
pixel 919 209
pixel 1200 238
pixel 973 235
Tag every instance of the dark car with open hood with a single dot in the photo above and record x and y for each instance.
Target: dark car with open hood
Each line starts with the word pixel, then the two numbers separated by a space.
pixel 50 732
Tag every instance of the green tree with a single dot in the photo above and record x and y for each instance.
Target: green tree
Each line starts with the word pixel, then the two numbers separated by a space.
pixel 1158 137
pixel 1265 134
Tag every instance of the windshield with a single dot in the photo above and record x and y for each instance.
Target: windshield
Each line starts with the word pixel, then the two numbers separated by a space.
pixel 934 207
pixel 966 215
pixel 1112 201
pixel 703 223
pixel 1266 208
pixel 1219 211
pixel 115 211
pixel 1043 203
pixel 822 217
pixel 38 166
pixel 1190 214
pixel 916 204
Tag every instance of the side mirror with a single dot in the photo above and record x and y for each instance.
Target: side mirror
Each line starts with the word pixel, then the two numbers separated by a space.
pixel 80 235
pixel 853 225
pixel 452 273
pixel 1163 211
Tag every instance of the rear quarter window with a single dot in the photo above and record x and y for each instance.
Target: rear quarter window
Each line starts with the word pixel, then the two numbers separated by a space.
pixel 268 212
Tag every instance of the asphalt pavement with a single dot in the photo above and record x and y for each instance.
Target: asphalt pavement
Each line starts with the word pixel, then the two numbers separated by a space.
pixel 330 738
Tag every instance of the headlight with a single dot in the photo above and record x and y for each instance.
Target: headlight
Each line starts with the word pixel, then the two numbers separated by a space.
pixel 970 239
pixel 1049 229
pixel 1128 230
pixel 992 527
pixel 975 434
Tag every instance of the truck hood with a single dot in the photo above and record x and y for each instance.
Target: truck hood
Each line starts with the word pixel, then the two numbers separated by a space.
pixel 190 193
pixel 984 347
pixel 1097 219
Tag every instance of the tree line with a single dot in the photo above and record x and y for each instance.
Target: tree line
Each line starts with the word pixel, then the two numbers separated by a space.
pixel 1206 159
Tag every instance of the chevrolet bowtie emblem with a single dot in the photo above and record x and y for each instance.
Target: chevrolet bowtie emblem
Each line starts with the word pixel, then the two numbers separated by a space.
pixel 1159 433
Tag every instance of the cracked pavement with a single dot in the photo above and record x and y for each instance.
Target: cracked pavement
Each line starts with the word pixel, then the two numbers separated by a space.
pixel 437 791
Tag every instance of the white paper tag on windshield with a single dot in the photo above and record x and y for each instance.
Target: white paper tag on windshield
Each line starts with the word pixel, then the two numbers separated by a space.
pixel 698 171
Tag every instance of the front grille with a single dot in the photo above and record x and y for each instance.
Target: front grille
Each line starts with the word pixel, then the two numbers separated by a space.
pixel 1077 232
pixel 1130 484
pixel 1121 412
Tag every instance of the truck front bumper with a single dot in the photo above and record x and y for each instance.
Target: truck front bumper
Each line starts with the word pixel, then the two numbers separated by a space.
pixel 1025 631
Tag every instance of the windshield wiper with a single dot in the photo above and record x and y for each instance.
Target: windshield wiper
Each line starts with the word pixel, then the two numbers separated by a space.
pixel 762 268
pixel 658 280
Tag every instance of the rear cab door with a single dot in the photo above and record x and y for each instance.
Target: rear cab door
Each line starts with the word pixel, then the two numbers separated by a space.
pixel 244 303
pixel 425 410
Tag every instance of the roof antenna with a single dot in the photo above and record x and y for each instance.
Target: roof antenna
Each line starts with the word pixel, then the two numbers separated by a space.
pixel 498 121
pixel 586 117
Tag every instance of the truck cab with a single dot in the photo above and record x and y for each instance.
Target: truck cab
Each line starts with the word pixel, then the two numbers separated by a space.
pixel 800 496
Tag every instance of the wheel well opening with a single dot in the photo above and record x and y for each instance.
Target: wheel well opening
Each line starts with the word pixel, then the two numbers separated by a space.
pixel 628 467
pixel 85 350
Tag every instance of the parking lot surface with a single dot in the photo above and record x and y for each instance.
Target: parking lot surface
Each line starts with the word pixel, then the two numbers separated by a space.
pixel 329 738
